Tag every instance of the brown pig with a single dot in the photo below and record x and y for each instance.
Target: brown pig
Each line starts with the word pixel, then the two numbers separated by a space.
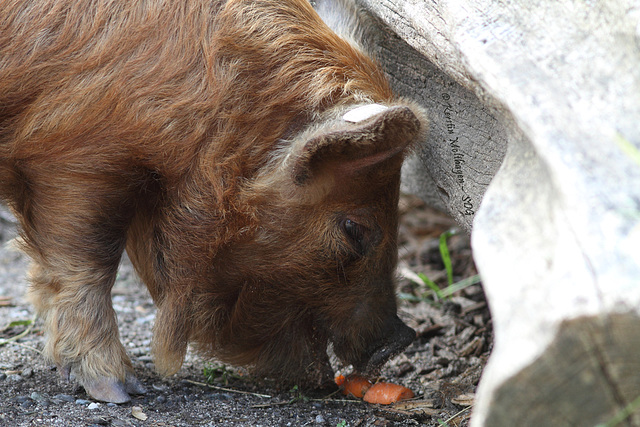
pixel 246 157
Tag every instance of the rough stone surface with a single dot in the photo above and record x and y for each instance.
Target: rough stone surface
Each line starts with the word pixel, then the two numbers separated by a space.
pixel 542 101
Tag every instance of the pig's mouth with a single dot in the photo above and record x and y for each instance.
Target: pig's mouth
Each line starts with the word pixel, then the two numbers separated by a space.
pixel 396 337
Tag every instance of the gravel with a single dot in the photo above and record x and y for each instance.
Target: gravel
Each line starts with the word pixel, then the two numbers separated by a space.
pixel 442 366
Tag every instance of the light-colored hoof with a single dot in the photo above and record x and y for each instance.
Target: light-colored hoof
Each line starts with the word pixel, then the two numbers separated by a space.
pixel 107 390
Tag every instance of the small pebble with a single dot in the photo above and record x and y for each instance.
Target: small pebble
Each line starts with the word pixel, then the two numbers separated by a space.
pixel 28 403
pixel 38 396
pixel 21 399
pixel 99 421
pixel 219 396
pixel 82 402
pixel 3 376
pixel 93 405
pixel 160 387
pixel 14 378
pixel 27 372
pixel 319 419
pixel 24 401
pixel 146 319
pixel 64 398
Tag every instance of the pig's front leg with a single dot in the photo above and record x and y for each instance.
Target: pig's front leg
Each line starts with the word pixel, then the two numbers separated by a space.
pixel 74 232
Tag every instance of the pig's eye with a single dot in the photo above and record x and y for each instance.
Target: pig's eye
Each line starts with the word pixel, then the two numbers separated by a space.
pixel 357 234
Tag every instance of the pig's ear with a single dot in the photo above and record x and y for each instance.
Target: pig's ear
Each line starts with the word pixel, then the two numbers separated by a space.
pixel 363 137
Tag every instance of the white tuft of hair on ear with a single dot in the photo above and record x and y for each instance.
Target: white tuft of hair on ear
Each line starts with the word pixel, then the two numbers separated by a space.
pixel 363 112
pixel 344 18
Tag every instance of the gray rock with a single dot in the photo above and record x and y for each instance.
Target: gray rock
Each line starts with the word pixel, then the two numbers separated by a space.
pixel 64 398
pixel 535 149
pixel 38 396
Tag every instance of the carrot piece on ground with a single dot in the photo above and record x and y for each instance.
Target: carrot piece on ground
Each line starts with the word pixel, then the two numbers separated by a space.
pixel 354 385
pixel 387 393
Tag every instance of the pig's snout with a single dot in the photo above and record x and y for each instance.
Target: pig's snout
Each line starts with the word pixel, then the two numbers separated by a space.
pixel 395 337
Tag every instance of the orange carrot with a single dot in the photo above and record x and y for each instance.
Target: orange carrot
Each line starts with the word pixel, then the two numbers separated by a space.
pixel 386 393
pixel 354 385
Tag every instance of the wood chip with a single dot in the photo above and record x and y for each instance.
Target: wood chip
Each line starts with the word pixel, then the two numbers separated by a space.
pixel 477 306
pixel 464 399
pixel 411 405
pixel 420 410
pixel 473 348
pixel 136 411
pixel 428 331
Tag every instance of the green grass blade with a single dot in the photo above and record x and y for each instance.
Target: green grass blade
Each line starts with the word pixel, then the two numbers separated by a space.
pixel 431 284
pixel 409 297
pixel 19 323
pixel 28 323
pixel 623 414
pixel 462 284
pixel 446 256
pixel 628 148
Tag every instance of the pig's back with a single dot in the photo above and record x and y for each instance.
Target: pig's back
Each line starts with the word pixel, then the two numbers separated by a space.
pixel 104 78
pixel 169 86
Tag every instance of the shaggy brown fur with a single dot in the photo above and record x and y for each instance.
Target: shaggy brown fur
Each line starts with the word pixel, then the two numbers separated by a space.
pixel 205 137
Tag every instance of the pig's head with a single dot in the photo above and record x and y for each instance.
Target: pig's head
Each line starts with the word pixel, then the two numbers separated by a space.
pixel 320 265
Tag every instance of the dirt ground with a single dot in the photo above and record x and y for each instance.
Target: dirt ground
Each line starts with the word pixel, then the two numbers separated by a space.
pixel 442 366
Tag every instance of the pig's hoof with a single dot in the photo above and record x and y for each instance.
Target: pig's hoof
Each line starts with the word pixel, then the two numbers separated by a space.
pixel 108 390
pixel 64 371
pixel 133 385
